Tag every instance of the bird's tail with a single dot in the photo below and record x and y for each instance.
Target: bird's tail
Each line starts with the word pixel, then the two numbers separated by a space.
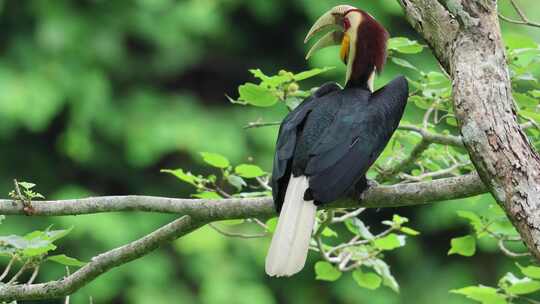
pixel 289 248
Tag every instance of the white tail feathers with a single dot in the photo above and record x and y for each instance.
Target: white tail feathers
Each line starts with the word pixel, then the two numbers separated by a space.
pixel 289 248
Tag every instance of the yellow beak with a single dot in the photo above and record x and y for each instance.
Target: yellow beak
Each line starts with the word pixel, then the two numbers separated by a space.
pixel 344 52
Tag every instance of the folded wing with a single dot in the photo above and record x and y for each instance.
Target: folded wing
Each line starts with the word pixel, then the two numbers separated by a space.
pixel 353 142
pixel 287 139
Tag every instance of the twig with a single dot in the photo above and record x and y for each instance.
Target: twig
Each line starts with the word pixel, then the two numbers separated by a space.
pixel 263 183
pixel 29 210
pixel 68 297
pixel 258 124
pixel 524 19
pixel 435 138
pixel 348 215
pixel 8 268
pixel 235 234
pixel 355 241
pixel 259 222
pixel 406 162
pixel 434 174
pixel 34 275
pixel 510 253
pixel 19 273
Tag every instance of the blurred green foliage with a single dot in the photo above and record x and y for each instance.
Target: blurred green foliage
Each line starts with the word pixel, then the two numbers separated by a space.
pixel 97 96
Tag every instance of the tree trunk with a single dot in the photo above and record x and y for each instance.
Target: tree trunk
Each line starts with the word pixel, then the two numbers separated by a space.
pixel 466 39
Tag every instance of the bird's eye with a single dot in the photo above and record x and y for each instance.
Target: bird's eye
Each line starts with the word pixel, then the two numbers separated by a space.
pixel 346 23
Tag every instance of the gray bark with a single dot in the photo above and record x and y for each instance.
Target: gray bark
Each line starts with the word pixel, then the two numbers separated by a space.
pixel 466 39
pixel 239 208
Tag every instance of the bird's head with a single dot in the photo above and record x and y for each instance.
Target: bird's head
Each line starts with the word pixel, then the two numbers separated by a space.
pixel 362 39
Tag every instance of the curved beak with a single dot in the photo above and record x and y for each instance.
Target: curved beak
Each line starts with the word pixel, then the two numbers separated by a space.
pixel 331 19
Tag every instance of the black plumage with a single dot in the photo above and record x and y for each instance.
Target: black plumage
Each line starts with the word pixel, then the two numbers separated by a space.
pixel 334 136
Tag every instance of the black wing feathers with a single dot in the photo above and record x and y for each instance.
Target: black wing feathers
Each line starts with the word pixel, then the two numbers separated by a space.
pixel 287 138
pixel 354 141
pixel 340 155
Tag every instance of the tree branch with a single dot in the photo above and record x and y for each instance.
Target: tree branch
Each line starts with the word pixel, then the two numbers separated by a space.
pixel 261 207
pixel 198 212
pixel 431 137
pixel 466 39
pixel 100 264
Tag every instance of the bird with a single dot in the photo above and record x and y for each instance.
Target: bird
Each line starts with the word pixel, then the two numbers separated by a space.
pixel 326 144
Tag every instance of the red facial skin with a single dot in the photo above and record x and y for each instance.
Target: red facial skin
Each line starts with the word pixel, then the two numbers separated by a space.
pixel 370 49
pixel 346 23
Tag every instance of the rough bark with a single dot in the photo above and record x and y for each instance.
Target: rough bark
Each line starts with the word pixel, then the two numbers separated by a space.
pixel 466 39
pixel 206 210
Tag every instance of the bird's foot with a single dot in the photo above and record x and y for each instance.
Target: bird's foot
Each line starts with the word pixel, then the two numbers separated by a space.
pixel 367 184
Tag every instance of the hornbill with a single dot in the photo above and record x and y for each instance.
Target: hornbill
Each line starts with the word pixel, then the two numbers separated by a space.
pixel 326 145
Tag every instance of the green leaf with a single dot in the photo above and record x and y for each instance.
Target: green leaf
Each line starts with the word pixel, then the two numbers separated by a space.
pixel 420 102
pixel 530 271
pixel 399 220
pixel 256 95
pixel 207 195
pixel 327 232
pixel 54 235
pixel 473 219
pixel 14 241
pixel 271 224
pixel 38 248
pixel 215 160
pixel 367 280
pixel 249 171
pixel 357 227
pixel 186 177
pixel 326 272
pixel 404 45
pixel 389 242
pixel 2 218
pixel 236 181
pixel 232 222
pixel 525 100
pixel 26 185
pixel 482 294
pixel 524 286
pixel 451 121
pixel 409 231
pixel 516 41
pixel 383 270
pixel 292 102
pixel 310 73
pixel 530 114
pixel 270 81
pixel 526 77
pixel 65 260
pixel 404 63
pixel 465 245
pixel 535 93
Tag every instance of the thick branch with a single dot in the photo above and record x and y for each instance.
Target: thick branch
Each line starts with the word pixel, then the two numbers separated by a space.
pixel 466 39
pixel 100 264
pixel 239 208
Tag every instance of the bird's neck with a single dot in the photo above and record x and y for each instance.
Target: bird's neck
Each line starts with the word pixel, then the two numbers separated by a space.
pixel 361 81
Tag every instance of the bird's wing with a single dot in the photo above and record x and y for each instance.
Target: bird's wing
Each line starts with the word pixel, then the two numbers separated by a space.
pixel 353 142
pixel 286 141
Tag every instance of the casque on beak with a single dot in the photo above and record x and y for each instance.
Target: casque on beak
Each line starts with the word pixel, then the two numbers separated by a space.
pixel 331 19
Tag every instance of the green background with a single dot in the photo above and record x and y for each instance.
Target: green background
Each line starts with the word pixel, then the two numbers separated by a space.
pixel 97 96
